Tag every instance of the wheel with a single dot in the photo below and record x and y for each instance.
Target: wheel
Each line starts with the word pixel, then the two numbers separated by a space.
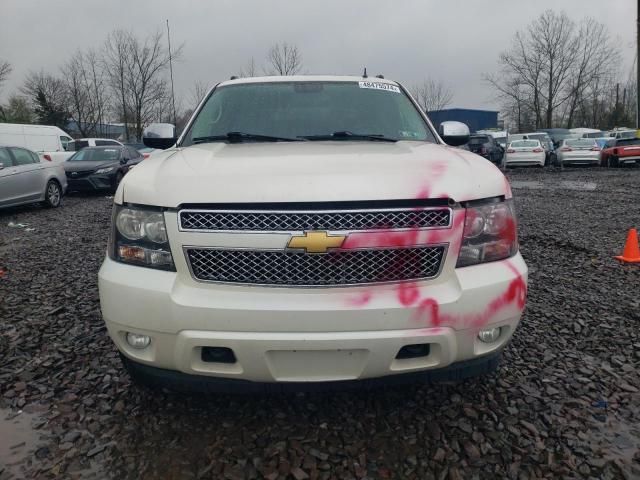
pixel 613 162
pixel 52 194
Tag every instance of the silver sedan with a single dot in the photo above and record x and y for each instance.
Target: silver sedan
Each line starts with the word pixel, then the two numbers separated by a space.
pixel 579 151
pixel 24 178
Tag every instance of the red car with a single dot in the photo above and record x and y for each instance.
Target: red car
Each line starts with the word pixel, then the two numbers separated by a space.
pixel 620 151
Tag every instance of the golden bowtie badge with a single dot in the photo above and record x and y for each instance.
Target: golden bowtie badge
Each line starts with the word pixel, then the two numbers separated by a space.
pixel 316 242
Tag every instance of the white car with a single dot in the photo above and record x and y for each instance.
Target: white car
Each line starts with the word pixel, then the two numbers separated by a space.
pixel 525 152
pixel 578 151
pixel 78 144
pixel 311 229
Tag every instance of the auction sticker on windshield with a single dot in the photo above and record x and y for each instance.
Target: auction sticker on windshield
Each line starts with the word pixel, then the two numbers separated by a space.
pixel 379 86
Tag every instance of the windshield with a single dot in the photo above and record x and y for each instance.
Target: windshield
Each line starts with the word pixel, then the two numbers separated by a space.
pixel 295 110
pixel 525 144
pixel 628 141
pixel 581 142
pixel 478 140
pixel 542 137
pixel 627 134
pixel 96 155
pixel 76 145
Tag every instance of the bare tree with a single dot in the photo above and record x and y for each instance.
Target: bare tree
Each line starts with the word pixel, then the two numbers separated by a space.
pixel 432 95
pixel 85 82
pixel 249 70
pixel 198 91
pixel 48 95
pixel 595 58
pixel 146 83
pixel 5 71
pixel 137 69
pixel 117 58
pixel 555 70
pixel 553 37
pixel 284 59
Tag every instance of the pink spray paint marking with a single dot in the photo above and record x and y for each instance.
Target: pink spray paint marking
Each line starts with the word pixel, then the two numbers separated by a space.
pixel 427 309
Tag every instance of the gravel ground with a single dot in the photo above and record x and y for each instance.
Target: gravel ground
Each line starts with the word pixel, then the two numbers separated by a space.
pixel 564 404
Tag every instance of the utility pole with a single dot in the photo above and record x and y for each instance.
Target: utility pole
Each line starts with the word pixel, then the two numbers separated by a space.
pixel 638 67
pixel 173 96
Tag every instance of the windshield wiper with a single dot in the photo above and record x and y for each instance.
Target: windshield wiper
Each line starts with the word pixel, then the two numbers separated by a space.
pixel 241 136
pixel 346 135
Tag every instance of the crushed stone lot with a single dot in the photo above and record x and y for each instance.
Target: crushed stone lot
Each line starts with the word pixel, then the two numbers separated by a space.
pixel 565 402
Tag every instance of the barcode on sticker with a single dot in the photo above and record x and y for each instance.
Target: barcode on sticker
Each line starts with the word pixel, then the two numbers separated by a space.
pixel 379 86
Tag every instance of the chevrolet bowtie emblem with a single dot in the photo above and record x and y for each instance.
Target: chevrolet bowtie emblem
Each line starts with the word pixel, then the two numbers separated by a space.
pixel 316 242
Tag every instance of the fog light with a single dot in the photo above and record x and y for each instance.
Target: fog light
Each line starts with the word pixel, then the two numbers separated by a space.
pixel 489 335
pixel 138 341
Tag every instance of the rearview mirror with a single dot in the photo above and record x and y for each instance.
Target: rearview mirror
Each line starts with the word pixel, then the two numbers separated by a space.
pixel 159 135
pixel 454 133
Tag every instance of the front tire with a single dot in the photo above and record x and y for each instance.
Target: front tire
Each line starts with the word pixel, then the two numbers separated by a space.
pixel 613 162
pixel 52 194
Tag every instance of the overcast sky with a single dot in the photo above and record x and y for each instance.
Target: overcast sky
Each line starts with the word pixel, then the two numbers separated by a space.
pixel 455 41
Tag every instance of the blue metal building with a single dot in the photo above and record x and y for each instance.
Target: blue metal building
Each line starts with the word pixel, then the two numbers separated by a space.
pixel 475 119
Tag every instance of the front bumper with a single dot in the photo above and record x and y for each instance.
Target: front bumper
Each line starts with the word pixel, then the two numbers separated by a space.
pixel 91 183
pixel 623 160
pixel 580 160
pixel 160 378
pixel 310 335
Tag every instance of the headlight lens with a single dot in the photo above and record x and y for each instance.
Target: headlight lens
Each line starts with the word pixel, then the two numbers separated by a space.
pixel 490 234
pixel 105 170
pixel 139 237
pixel 130 223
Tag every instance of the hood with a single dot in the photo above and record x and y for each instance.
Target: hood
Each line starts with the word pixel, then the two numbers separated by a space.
pixel 311 172
pixel 84 166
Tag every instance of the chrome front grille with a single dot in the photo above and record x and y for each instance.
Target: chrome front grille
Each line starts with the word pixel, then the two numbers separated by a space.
pixel 79 174
pixel 340 267
pixel 288 221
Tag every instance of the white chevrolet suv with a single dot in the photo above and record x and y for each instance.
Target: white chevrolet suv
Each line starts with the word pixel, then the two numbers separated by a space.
pixel 311 229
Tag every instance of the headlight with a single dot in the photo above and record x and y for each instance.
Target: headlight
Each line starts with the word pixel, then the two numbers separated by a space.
pixel 490 234
pixel 139 236
pixel 105 170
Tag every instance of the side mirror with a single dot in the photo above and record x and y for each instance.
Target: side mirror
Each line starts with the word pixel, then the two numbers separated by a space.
pixel 454 133
pixel 159 135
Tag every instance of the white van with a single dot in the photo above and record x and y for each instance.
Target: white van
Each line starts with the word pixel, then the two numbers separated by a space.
pixel 39 138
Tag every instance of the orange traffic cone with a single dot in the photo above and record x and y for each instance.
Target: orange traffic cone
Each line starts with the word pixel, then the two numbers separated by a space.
pixel 631 252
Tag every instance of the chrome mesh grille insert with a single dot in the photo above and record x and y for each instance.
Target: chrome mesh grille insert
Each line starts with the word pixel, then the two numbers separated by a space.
pixel 341 267
pixel 351 220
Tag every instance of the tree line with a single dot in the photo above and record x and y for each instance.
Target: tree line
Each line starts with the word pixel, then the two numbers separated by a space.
pixel 556 73
pixel 562 73
pixel 123 81
pixel 126 81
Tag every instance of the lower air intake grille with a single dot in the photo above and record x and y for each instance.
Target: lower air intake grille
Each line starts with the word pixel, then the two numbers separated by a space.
pixel 341 267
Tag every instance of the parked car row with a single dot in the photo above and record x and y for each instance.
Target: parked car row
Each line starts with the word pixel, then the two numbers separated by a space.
pixel 26 178
pixel 558 146
pixel 575 151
